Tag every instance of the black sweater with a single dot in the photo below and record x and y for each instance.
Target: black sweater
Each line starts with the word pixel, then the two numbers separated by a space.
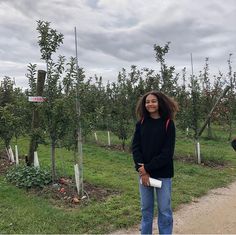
pixel 154 145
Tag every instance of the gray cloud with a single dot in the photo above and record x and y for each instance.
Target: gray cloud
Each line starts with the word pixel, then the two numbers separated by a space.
pixel 119 33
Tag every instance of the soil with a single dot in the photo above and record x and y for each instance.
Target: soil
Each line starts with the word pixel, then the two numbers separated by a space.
pixel 62 193
pixel 214 213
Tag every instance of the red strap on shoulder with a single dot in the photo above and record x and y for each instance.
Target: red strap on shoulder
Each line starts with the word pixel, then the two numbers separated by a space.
pixel 167 123
pixel 142 120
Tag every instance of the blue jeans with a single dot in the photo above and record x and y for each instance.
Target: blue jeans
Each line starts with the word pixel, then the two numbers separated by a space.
pixel 165 218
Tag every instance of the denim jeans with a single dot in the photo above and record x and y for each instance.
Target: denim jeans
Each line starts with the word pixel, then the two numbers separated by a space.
pixel 163 196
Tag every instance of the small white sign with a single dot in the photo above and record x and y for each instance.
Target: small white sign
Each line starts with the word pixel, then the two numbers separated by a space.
pixel 36 99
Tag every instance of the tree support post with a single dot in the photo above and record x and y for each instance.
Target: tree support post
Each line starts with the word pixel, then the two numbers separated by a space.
pixel 35 118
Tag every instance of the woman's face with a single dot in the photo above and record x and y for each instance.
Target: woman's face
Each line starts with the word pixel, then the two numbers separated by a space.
pixel 151 104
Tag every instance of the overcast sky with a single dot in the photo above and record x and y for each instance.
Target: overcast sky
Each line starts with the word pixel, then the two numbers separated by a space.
pixel 115 34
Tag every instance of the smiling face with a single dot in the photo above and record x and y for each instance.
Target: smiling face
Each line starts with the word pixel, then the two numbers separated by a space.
pixel 151 105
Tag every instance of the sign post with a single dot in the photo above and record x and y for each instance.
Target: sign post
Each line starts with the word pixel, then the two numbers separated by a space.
pixel 35 116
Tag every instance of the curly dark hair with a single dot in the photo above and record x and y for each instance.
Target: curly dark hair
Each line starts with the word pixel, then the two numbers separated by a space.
pixel 168 107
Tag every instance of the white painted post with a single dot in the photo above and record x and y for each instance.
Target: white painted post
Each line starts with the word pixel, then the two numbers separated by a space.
pixel 198 153
pixel 11 154
pixel 187 131
pixel 76 168
pixel 36 160
pixel 16 155
pixel 95 135
pixel 8 154
pixel 109 138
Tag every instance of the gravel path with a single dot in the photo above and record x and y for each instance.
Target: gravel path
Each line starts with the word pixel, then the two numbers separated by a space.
pixel 214 213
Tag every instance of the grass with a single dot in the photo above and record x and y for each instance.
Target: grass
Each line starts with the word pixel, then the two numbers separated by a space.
pixel 102 139
pixel 21 212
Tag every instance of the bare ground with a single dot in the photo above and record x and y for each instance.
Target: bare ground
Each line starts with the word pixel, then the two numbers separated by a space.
pixel 214 213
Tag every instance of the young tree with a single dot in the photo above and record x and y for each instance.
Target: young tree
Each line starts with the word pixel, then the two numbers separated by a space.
pixel 31 75
pixel 49 41
pixel 12 120
pixel 6 89
pixel 120 110
pixel 21 112
pixel 7 118
pixel 132 91
pixel 183 98
pixel 53 111
pixel 195 105
pixel 152 80
pixel 7 123
pixel 219 115
pixel 169 81
pixel 230 97
pixel 207 96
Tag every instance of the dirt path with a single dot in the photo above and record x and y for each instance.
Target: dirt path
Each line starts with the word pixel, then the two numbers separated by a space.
pixel 214 213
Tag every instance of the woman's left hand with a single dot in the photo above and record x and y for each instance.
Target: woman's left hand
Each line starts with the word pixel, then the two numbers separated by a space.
pixel 145 180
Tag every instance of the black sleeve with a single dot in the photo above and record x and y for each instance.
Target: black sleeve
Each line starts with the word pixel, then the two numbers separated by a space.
pixel 136 146
pixel 167 152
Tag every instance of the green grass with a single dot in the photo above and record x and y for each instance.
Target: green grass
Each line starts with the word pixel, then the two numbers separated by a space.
pixel 21 212
pixel 102 138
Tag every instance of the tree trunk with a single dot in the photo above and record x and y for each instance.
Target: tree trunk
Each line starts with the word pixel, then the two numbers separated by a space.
pixel 53 147
pixel 123 144
pixel 209 130
pixel 35 118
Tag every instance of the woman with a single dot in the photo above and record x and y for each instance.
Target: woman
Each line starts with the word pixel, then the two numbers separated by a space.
pixel 153 148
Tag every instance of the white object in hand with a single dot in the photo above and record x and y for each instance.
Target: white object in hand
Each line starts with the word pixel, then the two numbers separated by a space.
pixel 154 182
